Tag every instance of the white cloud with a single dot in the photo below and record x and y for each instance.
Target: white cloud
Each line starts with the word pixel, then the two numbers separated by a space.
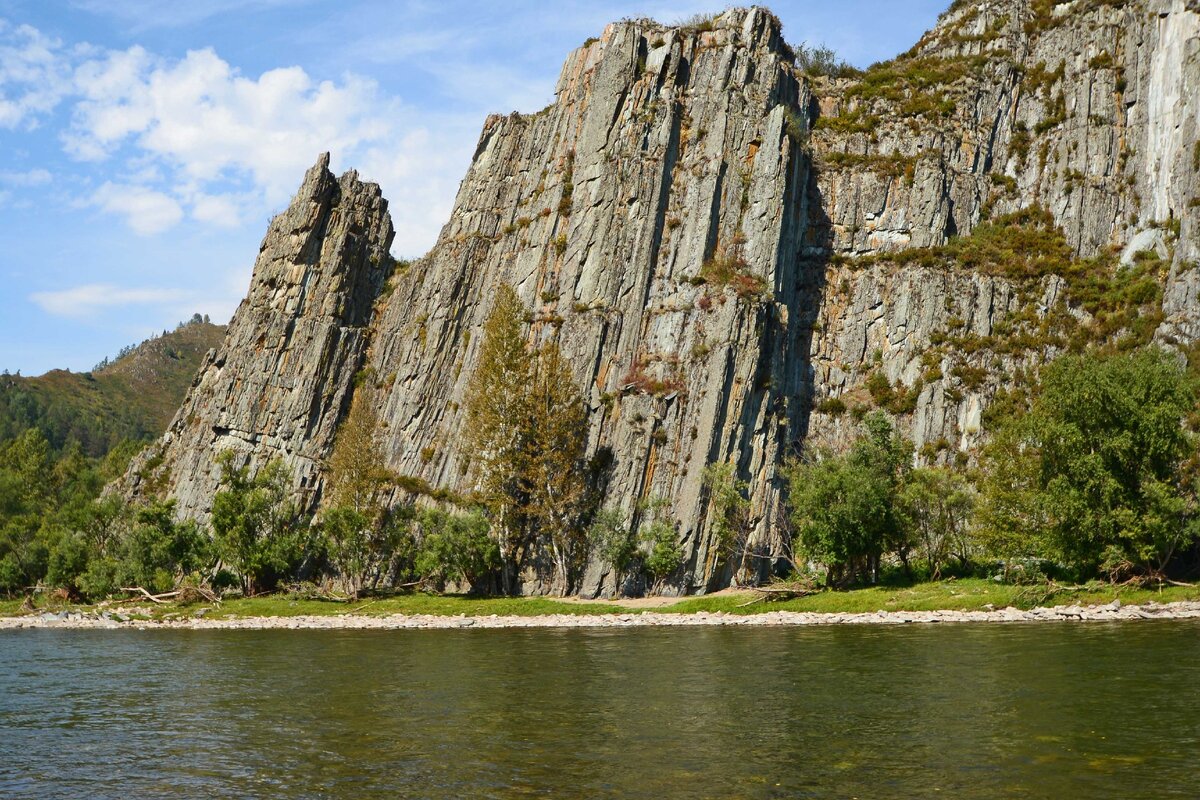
pixel 220 210
pixel 82 301
pixel 207 122
pixel 33 177
pixel 197 134
pixel 34 75
pixel 145 210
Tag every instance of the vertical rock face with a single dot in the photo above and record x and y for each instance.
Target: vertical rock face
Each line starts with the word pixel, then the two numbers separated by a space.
pixel 717 241
pixel 1083 106
pixel 1087 108
pixel 666 148
pixel 279 384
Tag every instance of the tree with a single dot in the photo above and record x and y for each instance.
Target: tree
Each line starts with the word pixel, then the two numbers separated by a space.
pixel 27 484
pixel 935 508
pixel 1010 519
pixel 256 525
pixel 364 549
pixel 365 538
pixel 844 508
pixel 611 538
pixel 455 548
pixel 496 413
pixel 356 468
pixel 556 442
pixel 730 509
pixel 660 551
pixel 1101 460
pixel 156 552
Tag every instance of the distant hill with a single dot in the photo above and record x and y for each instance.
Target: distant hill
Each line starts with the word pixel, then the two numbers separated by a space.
pixel 132 397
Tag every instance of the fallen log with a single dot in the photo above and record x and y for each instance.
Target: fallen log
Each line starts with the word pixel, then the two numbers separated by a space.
pixel 765 593
pixel 155 598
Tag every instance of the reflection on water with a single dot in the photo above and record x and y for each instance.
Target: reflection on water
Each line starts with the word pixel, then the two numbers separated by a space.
pixel 1056 711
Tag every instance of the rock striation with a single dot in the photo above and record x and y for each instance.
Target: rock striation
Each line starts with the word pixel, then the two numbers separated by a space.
pixel 722 246
pixel 280 382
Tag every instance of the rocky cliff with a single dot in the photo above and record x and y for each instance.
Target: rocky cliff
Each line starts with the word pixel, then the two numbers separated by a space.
pixel 734 254
pixel 283 377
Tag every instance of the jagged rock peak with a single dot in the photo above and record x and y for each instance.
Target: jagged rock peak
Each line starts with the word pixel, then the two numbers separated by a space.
pixel 279 383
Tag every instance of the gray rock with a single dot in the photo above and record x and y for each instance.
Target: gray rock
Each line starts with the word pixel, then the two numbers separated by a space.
pixel 663 147
pixel 281 381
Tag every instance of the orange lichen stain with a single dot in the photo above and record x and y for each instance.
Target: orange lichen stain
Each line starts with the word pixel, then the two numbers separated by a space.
pixel 602 374
pixel 648 472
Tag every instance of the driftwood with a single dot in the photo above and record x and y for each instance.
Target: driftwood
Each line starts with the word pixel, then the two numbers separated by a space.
pixel 184 595
pixel 777 592
pixel 155 598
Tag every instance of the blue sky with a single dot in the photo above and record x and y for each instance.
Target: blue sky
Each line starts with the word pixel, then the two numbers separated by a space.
pixel 144 144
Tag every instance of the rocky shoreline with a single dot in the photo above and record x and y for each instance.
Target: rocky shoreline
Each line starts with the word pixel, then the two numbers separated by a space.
pixel 1111 612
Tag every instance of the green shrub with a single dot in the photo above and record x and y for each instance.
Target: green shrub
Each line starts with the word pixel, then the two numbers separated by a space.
pixel 455 548
pixel 728 268
pixel 256 526
pixel 821 60
pixel 833 406
pixel 1095 474
pixel 844 507
pixel 611 538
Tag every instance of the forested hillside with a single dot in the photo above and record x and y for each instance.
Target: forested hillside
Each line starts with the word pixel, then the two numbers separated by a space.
pixel 132 397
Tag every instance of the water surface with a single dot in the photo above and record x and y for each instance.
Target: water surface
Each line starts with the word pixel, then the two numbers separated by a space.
pixel 1055 711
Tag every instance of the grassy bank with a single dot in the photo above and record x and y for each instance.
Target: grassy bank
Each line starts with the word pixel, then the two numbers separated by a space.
pixel 956 595
pixel 284 606
pixel 953 595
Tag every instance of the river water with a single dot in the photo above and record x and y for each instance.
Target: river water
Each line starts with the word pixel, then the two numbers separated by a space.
pixel 1054 711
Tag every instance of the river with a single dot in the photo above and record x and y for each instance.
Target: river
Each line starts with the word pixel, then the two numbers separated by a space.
pixel 965 711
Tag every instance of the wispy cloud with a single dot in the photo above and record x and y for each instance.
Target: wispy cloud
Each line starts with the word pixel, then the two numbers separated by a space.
pixel 34 75
pixel 83 301
pixel 143 15
pixel 145 210
pixel 33 177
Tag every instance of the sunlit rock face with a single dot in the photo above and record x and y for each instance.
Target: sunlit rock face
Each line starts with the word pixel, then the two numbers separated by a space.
pixel 672 152
pixel 280 382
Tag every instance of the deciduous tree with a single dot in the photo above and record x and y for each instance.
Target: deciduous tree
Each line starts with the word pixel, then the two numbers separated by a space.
pixel 1099 464
pixel 496 412
pixel 256 526
pixel 554 469
pixel 844 507
pixel 366 540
